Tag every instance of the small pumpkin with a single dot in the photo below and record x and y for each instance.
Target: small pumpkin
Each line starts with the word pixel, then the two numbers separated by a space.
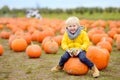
pixel 97 37
pixel 12 37
pixel 45 40
pixel 111 33
pixel 34 51
pixel 1 27
pixel 1 50
pixel 105 44
pixel 58 39
pixel 19 44
pixel 27 37
pixel 5 34
pixel 51 47
pixel 109 39
pixel 117 42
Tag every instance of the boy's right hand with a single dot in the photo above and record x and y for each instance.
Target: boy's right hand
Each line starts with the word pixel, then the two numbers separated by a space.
pixel 70 52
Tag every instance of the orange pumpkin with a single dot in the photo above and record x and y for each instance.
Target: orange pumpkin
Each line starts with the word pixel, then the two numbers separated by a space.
pixel 27 37
pixel 98 30
pixel 45 40
pixel 58 39
pixel 5 35
pixel 51 47
pixel 75 66
pixel 35 35
pixel 111 33
pixel 1 50
pixel 105 44
pixel 12 37
pixel 41 36
pixel 97 37
pixel 19 44
pixel 109 39
pixel 1 26
pixel 33 51
pixel 45 33
pixel 117 42
pixel 99 56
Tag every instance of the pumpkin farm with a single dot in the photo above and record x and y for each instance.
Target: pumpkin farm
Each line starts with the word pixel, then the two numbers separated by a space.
pixel 30 47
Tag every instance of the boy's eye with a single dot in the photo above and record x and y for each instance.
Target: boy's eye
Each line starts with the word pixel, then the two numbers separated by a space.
pixel 74 25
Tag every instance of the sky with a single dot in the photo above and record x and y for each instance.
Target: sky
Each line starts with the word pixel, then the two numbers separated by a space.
pixel 63 4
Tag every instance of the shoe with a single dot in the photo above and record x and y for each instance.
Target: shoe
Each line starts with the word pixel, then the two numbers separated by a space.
pixel 95 72
pixel 56 68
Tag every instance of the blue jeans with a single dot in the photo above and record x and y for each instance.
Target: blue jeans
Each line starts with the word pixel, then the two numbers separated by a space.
pixel 82 57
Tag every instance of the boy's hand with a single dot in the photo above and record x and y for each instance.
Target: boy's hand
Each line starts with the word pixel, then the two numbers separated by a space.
pixel 70 52
pixel 77 52
pixel 73 51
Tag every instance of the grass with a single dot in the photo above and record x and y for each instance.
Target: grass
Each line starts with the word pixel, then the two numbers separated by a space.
pixel 18 66
pixel 94 16
pixel 64 16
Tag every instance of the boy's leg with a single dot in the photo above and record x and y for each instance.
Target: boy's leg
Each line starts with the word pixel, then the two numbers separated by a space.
pixel 85 60
pixel 62 61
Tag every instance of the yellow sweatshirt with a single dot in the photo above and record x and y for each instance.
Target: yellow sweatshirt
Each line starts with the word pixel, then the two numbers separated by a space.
pixel 80 42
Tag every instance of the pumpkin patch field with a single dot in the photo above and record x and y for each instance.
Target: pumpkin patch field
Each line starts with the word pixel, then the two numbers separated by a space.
pixel 30 47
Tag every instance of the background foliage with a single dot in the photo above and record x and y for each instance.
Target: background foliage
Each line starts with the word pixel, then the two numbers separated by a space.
pixel 81 12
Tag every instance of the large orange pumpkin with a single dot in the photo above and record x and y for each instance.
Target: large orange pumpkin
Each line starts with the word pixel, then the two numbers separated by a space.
pixel 99 56
pixel 75 66
pixel 19 44
pixel 1 50
pixel 33 51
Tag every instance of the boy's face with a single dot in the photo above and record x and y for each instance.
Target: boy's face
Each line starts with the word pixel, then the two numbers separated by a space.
pixel 72 28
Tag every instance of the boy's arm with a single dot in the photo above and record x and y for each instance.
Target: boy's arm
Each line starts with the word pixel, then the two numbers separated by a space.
pixel 86 41
pixel 64 42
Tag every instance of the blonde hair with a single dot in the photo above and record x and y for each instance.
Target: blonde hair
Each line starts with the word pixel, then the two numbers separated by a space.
pixel 72 20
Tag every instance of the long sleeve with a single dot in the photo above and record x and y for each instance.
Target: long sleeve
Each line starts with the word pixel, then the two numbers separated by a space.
pixel 64 42
pixel 85 40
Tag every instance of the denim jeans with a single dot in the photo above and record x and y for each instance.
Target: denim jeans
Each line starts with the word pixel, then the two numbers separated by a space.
pixel 82 57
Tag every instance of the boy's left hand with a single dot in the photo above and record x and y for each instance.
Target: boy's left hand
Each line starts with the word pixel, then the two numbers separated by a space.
pixel 77 52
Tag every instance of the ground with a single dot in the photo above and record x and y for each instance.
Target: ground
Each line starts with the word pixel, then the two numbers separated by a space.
pixel 18 66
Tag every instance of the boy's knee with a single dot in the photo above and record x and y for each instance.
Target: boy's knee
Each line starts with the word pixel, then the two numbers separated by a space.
pixel 84 59
pixel 64 57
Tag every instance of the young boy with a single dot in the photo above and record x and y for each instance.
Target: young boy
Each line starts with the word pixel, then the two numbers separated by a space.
pixel 75 43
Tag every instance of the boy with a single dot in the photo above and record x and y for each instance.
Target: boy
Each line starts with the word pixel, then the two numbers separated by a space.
pixel 75 43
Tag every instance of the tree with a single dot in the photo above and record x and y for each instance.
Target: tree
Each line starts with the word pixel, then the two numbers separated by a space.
pixel 5 9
